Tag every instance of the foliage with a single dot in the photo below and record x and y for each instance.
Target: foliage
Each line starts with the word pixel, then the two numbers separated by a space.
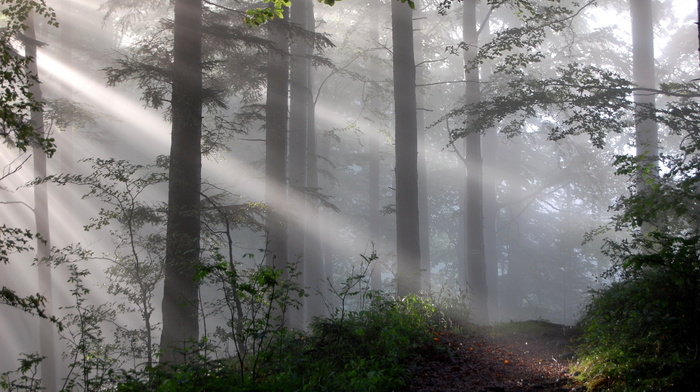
pixel 578 100
pixel 255 296
pixel 16 104
pixel 137 261
pixel 24 378
pixel 643 333
pixel 453 303
pixel 533 328
pixel 12 241
pixel 259 16
pixel 255 302
pixel 369 350
pixel 354 291
pixel 91 360
pixel 16 101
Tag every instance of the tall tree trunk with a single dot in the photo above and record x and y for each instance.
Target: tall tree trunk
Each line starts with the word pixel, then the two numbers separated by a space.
pixel 373 151
pixel 41 219
pixel 490 148
pixel 644 75
pixel 474 214
pixel 511 291
pixel 423 205
pixel 180 290
pixel 407 224
pixel 298 122
pixel 276 144
pixel 314 271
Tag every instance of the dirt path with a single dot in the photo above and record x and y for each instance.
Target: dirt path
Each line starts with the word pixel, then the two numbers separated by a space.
pixel 507 363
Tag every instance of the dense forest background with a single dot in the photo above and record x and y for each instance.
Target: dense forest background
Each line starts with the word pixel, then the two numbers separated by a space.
pixel 213 175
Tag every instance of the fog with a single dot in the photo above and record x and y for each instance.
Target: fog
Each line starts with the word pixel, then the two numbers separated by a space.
pixel 541 196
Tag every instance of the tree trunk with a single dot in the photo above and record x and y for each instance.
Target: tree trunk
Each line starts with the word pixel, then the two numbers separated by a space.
pixel 490 148
pixel 474 214
pixel 423 205
pixel 373 160
pixel 407 224
pixel 180 291
pixel 644 75
pixel 41 219
pixel 299 101
pixel 314 271
pixel 276 145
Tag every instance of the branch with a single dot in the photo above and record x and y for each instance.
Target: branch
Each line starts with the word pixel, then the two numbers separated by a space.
pixel 437 83
pixel 8 170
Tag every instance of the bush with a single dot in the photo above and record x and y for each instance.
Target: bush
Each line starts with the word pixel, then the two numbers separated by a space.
pixel 367 350
pixel 642 333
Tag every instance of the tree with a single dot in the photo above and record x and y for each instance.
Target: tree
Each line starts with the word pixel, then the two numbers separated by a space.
pixel 407 224
pixel 276 144
pixel 423 206
pixel 474 205
pixel 180 290
pixel 314 263
pixel 299 130
pixel 41 216
pixel 17 102
pixel 21 107
pixel 644 75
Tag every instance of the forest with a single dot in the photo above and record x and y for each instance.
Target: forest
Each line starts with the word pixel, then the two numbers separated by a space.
pixel 235 195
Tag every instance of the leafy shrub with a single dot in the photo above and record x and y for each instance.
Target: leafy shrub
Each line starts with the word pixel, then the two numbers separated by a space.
pixel 642 333
pixel 366 350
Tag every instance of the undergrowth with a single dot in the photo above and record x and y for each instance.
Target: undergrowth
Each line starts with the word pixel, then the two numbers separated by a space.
pixel 366 350
pixel 641 334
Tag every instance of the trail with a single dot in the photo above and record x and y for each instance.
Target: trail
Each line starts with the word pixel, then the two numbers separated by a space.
pixel 517 361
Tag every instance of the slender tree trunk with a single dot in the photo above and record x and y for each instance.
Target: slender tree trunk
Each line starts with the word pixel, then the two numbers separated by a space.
pixel 474 215
pixel 511 292
pixel 301 168
pixel 423 205
pixel 373 151
pixel 276 144
pixel 490 147
pixel 298 131
pixel 407 223
pixel 314 271
pixel 180 291
pixel 644 75
pixel 41 219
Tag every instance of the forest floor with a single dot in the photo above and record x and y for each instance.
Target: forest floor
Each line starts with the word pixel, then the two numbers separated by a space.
pixel 534 358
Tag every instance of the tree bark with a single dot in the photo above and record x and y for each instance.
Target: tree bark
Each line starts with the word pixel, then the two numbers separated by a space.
pixel 299 92
pixel 276 117
pixel 41 219
pixel 180 291
pixel 373 161
pixel 314 271
pixel 474 214
pixel 644 75
pixel 423 205
pixel 407 222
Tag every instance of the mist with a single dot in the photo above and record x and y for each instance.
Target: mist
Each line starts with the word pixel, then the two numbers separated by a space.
pixel 546 183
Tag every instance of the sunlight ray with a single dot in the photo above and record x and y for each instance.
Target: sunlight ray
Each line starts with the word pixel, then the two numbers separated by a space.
pixel 153 134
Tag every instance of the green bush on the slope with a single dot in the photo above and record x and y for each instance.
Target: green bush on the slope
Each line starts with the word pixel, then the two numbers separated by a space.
pixel 367 350
pixel 642 334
